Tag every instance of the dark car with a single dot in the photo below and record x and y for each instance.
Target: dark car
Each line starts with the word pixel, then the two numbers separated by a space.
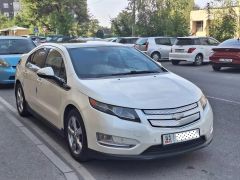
pixel 227 54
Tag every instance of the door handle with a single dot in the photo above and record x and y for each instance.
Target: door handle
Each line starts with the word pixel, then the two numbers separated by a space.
pixel 39 80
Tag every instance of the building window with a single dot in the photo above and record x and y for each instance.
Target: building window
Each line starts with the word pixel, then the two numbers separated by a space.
pixel 6 14
pixel 5 5
pixel 199 26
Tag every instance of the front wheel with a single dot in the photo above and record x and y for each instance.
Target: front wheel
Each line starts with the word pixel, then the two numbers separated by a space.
pixel 175 62
pixel 20 101
pixel 76 136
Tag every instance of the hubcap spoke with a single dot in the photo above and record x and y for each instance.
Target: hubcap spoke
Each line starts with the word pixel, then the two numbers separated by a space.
pixel 75 135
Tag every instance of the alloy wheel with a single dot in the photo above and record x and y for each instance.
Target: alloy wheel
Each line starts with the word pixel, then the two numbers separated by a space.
pixel 20 99
pixel 75 135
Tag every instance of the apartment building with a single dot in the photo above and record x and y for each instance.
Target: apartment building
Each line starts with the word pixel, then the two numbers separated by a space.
pixel 10 8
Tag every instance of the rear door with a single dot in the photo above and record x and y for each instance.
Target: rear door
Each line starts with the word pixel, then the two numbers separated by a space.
pixel 164 46
pixel 34 63
pixel 49 92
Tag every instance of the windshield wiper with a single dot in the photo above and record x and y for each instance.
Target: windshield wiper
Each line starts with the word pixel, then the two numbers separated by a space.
pixel 135 72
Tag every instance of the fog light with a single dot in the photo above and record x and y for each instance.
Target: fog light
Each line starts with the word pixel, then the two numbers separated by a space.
pixel 115 141
pixel 211 130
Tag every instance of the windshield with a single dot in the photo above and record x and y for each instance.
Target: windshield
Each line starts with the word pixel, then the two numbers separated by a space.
pixel 95 62
pixel 15 46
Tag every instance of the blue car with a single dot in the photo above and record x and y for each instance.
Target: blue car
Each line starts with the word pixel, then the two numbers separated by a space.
pixel 11 49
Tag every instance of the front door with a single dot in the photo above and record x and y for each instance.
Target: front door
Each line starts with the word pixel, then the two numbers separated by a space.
pixel 49 92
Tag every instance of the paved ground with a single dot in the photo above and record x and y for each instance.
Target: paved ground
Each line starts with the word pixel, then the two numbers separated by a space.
pixel 221 160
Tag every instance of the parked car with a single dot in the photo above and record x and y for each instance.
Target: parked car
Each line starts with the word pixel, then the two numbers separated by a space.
pixel 127 41
pixel 192 49
pixel 157 48
pixel 227 54
pixel 11 49
pixel 100 95
pixel 35 39
pixel 113 39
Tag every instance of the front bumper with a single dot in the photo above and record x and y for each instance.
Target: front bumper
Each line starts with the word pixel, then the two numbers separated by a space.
pixel 158 151
pixel 148 137
pixel 7 75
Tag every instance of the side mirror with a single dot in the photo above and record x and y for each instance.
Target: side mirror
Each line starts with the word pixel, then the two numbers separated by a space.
pixel 46 72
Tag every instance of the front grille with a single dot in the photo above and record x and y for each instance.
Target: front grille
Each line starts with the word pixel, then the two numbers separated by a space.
pixel 173 148
pixel 12 78
pixel 173 117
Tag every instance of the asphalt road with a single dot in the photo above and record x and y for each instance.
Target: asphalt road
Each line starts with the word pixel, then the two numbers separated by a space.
pixel 220 160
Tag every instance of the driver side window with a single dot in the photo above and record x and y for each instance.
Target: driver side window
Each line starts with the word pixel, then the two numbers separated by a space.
pixel 55 61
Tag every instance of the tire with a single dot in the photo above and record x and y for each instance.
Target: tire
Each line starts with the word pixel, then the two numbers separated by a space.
pixel 76 137
pixel 198 60
pixel 20 101
pixel 175 62
pixel 156 56
pixel 216 67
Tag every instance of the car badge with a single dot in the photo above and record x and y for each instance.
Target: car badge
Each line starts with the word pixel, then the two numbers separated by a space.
pixel 177 116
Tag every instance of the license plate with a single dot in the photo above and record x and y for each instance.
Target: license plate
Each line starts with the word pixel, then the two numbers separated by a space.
pixel 226 60
pixel 181 137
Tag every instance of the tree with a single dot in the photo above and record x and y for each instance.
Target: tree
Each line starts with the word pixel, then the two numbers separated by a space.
pixel 155 18
pixel 56 15
pixel 5 22
pixel 224 23
pixel 122 24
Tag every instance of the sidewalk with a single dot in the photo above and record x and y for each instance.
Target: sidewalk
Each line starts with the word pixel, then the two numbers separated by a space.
pixel 20 158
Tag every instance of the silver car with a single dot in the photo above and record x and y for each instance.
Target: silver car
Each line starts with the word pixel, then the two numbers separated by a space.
pixel 156 47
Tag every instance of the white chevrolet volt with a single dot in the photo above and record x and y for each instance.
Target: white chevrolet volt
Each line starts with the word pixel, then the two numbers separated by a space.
pixel 112 101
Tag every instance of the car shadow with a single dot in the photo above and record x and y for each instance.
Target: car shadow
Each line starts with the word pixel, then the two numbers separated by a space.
pixel 6 86
pixel 230 70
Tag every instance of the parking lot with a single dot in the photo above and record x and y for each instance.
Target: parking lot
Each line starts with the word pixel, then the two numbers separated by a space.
pixel 220 160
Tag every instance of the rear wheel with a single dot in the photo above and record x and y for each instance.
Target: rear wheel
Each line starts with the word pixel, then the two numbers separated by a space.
pixel 76 136
pixel 216 67
pixel 20 101
pixel 198 60
pixel 156 56
pixel 175 62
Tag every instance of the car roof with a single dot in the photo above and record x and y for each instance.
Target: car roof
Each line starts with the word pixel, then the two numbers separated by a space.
pixel 12 37
pixel 87 44
pixel 192 37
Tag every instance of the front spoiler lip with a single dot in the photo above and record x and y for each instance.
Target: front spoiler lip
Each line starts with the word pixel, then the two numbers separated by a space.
pixel 104 156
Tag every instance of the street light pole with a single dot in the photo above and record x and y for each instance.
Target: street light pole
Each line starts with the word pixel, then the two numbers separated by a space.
pixel 134 18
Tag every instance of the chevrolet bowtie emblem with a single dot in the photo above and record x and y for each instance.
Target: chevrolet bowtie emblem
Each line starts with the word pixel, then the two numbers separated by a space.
pixel 177 116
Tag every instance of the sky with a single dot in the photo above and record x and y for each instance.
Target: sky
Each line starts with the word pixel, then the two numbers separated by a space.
pixel 104 10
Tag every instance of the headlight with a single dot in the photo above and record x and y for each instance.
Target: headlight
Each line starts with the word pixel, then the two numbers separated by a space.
pixel 3 63
pixel 203 101
pixel 121 112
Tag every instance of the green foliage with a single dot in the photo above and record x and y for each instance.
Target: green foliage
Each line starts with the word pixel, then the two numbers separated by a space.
pixel 155 18
pixel 224 23
pixel 62 17
pixel 122 25
pixel 5 22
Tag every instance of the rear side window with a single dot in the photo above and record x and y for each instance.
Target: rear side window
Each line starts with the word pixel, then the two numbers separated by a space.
pixel 187 41
pixel 163 41
pixel 204 41
pixel 142 41
pixel 38 58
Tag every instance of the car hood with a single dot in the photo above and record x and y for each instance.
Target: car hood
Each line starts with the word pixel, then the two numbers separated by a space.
pixel 166 90
pixel 12 60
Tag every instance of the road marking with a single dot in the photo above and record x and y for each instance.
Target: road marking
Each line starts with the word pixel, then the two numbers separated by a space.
pixel 60 164
pixel 225 100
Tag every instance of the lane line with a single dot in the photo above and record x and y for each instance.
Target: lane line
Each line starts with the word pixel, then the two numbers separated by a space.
pixel 225 100
pixel 60 164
